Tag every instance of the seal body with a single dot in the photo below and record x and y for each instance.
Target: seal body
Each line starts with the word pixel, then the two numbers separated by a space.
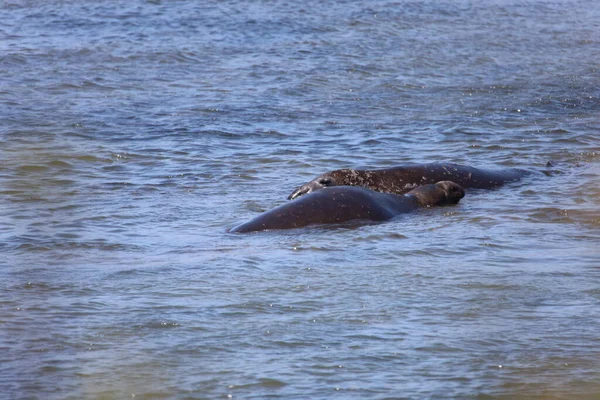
pixel 346 203
pixel 402 179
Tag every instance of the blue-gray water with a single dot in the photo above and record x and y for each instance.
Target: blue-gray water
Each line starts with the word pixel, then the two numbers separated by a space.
pixel 133 134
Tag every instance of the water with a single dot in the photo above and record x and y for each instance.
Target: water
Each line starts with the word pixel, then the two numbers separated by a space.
pixel 134 134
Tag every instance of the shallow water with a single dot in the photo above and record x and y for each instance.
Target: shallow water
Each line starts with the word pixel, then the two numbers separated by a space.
pixel 134 134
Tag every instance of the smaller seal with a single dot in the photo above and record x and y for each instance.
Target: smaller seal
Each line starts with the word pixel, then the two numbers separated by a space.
pixel 346 203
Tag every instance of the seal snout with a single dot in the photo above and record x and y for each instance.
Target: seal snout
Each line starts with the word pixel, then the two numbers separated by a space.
pixel 298 192
pixel 312 186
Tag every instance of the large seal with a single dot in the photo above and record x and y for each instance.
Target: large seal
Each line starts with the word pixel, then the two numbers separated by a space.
pixel 402 179
pixel 346 203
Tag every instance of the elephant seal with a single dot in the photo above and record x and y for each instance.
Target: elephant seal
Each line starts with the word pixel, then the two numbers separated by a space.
pixel 346 203
pixel 402 179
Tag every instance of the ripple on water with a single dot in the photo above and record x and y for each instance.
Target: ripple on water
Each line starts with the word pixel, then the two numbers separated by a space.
pixel 134 136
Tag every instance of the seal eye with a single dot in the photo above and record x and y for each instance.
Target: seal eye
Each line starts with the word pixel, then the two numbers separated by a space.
pixel 325 181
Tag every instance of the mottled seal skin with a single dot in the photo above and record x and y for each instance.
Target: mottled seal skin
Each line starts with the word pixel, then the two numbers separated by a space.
pixel 402 179
pixel 346 203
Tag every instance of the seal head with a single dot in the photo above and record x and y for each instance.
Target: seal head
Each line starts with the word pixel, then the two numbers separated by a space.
pixel 318 183
pixel 441 193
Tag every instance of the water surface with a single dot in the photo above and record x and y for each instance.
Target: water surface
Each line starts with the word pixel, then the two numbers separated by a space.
pixel 134 134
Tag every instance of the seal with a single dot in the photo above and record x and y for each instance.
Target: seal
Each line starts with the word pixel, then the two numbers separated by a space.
pixel 346 203
pixel 402 179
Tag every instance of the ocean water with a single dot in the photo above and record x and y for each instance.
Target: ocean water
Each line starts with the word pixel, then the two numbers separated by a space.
pixel 134 134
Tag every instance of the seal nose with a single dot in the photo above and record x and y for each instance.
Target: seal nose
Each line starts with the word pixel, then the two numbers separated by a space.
pixel 297 193
pixel 310 187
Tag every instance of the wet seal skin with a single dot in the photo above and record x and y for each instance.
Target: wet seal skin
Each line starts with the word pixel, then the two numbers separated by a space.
pixel 346 203
pixel 402 179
